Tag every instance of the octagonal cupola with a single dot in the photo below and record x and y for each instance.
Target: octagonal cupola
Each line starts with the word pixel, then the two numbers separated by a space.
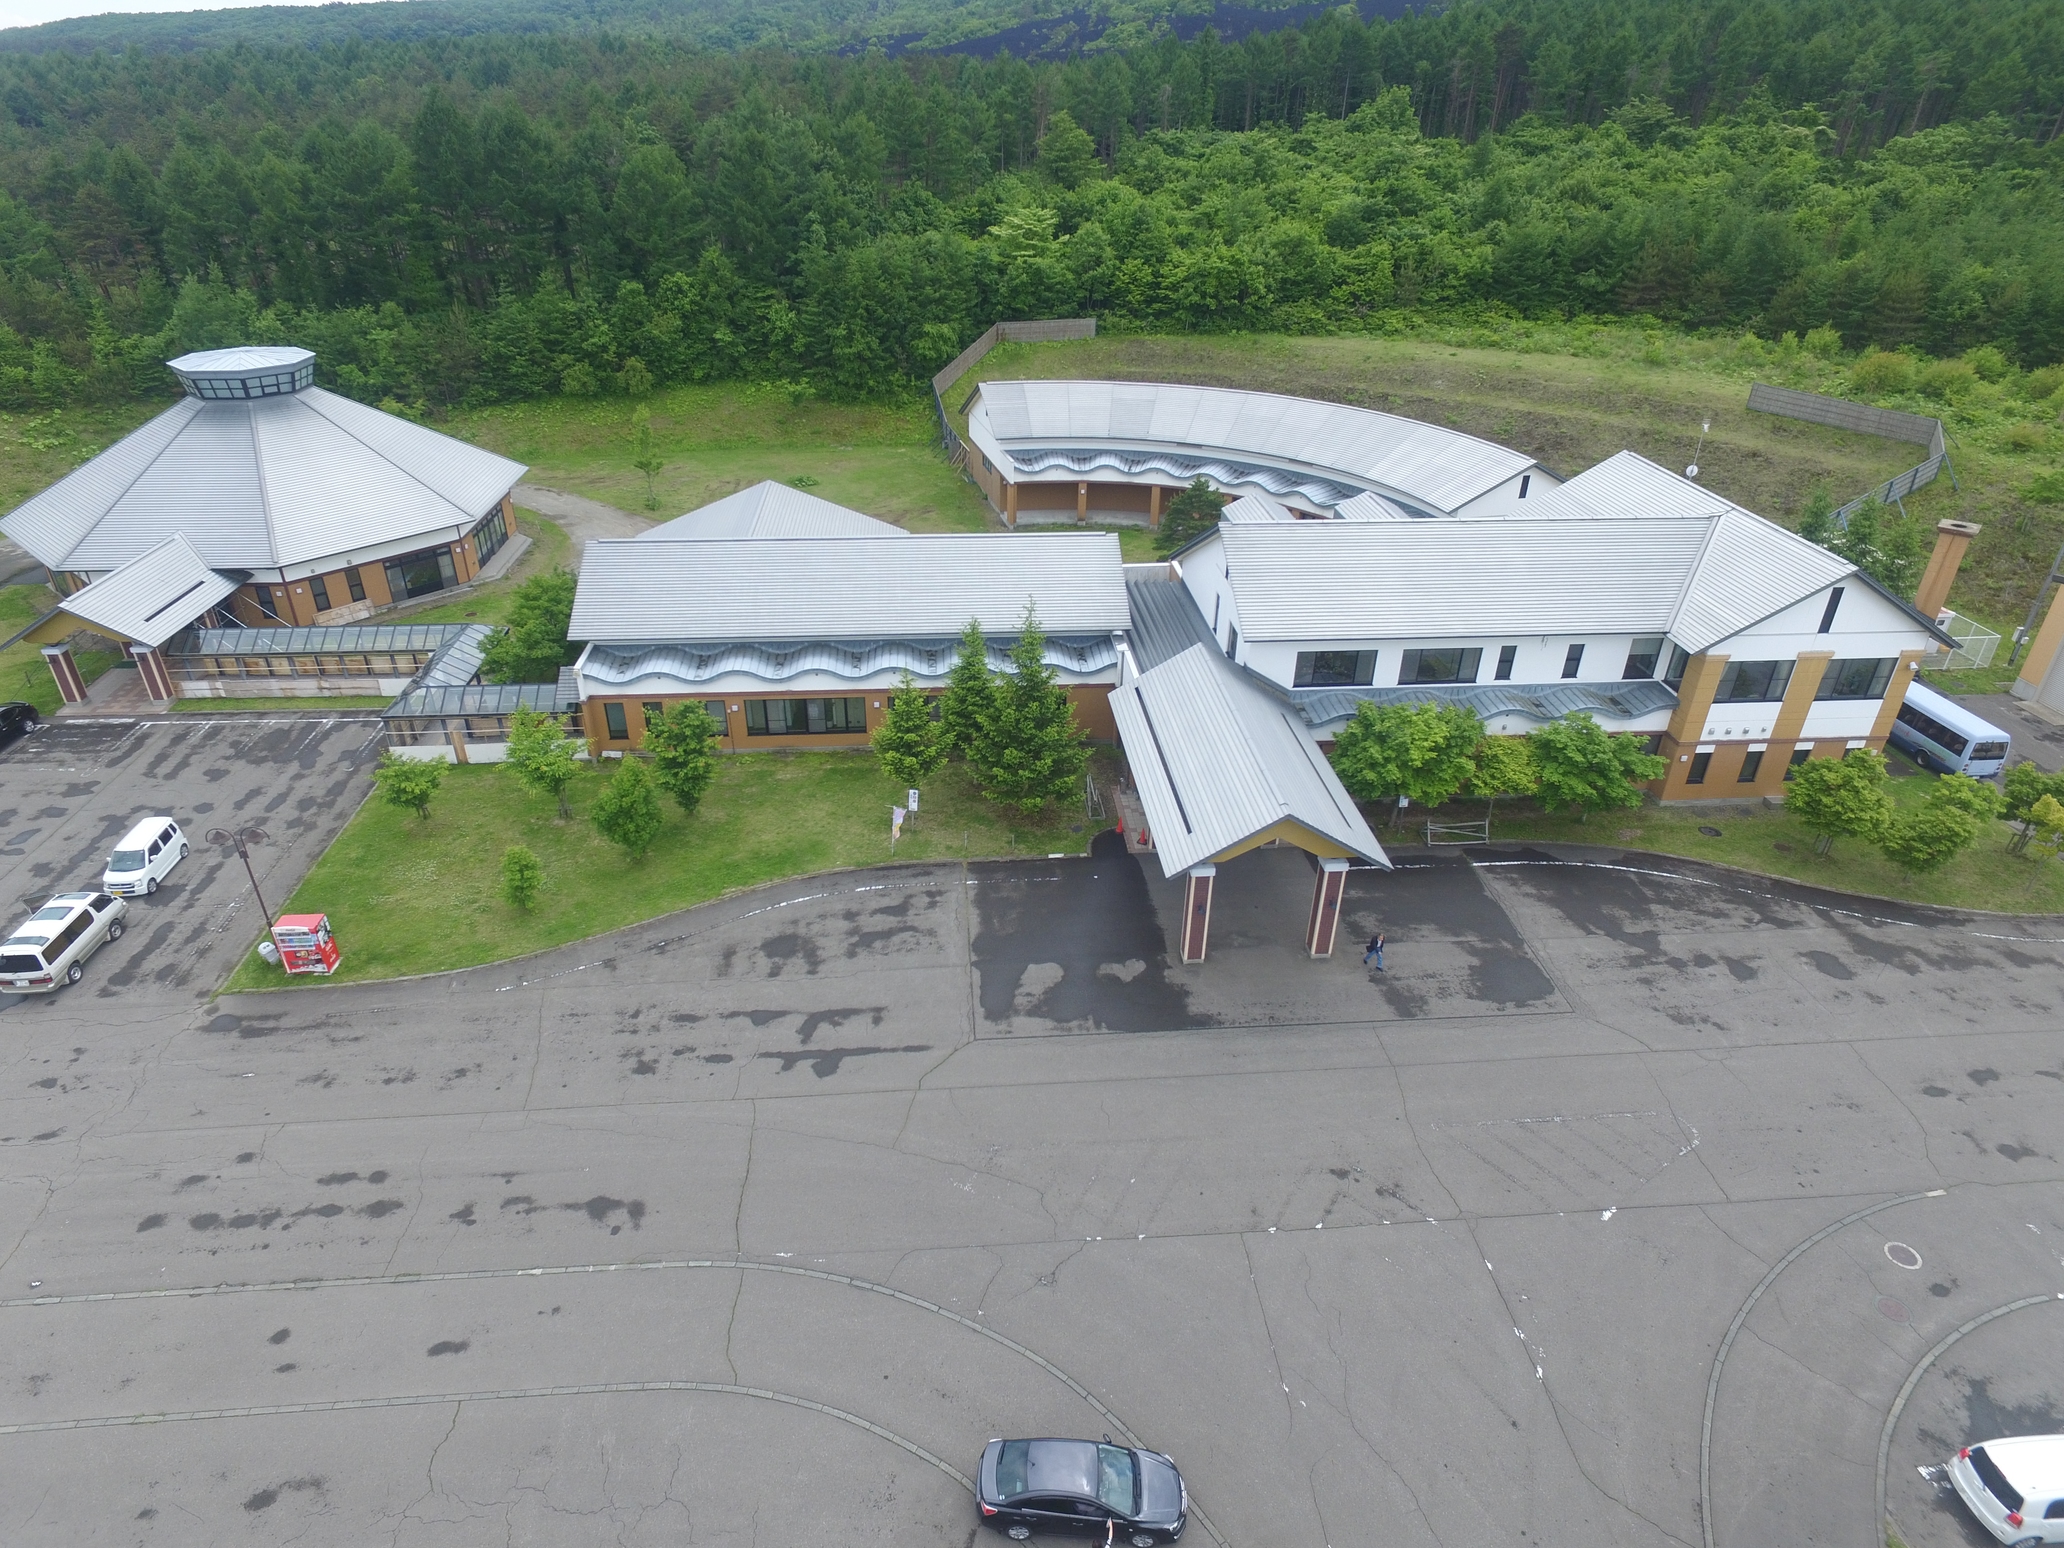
pixel 260 371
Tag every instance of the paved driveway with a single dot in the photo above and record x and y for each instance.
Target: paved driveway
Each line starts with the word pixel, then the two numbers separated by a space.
pixel 752 1224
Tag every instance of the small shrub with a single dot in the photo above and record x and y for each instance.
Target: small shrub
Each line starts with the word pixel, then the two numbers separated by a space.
pixel 1989 363
pixel 2037 386
pixel 635 379
pixel 2027 438
pixel 522 875
pixel 1881 372
pixel 1823 341
pixel 1946 380
pixel 578 381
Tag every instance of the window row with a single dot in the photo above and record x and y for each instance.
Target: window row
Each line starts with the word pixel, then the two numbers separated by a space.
pixel 1456 664
pixel 1765 682
pixel 763 717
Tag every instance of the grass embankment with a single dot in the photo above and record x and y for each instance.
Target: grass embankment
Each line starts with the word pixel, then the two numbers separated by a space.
pixel 406 895
pixel 1771 840
pixel 23 672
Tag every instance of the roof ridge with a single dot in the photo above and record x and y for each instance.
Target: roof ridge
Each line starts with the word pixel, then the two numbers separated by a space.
pixel 264 489
pixel 135 479
pixel 311 403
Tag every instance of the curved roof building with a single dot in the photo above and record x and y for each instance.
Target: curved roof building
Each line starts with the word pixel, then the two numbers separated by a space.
pixel 1116 446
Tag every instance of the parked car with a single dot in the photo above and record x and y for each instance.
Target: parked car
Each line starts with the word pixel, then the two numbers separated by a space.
pixel 16 719
pixel 2015 1487
pixel 51 946
pixel 144 858
pixel 1080 1488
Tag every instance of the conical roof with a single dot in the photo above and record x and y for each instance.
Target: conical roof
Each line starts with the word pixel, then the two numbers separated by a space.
pixel 263 484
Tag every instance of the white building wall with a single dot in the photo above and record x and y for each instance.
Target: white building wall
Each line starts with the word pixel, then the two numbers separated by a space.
pixel 1506 499
pixel 1204 573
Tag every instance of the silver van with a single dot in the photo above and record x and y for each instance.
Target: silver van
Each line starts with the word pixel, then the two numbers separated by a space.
pixel 144 858
pixel 51 946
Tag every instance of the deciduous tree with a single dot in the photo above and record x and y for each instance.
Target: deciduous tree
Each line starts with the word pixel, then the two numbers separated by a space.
pixel 522 875
pixel 533 647
pixel 1580 764
pixel 627 811
pixel 683 744
pixel 1840 797
pixel 1424 752
pixel 542 755
pixel 1504 767
pixel 409 783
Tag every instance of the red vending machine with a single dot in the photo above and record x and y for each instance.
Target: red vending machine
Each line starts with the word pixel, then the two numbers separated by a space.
pixel 305 943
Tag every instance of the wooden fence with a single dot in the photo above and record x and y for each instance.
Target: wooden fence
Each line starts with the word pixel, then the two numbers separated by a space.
pixel 1842 414
pixel 1049 330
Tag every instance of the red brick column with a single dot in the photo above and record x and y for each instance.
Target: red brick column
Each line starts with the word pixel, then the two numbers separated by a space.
pixel 71 687
pixel 1196 928
pixel 1324 923
pixel 157 681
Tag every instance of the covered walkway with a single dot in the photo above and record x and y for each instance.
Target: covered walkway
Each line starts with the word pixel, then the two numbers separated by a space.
pixel 1223 768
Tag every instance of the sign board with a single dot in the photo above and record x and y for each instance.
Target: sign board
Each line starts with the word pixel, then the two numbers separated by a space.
pixel 913 800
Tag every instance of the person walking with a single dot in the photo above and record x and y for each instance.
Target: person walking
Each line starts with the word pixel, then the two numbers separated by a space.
pixel 1375 953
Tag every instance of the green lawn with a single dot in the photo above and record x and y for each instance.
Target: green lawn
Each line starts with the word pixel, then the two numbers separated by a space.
pixel 23 672
pixel 1770 840
pixel 296 706
pixel 880 458
pixel 406 895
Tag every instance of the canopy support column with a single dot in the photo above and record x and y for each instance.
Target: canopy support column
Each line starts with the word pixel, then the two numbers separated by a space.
pixel 1324 924
pixel 157 681
pixel 71 687
pixel 1197 911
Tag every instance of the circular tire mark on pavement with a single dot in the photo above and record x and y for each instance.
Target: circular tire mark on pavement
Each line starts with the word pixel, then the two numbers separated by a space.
pixel 168 1293
pixel 1914 1380
pixel 1705 1456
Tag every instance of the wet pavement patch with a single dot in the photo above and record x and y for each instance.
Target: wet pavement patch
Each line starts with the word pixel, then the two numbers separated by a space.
pixel 1063 922
pixel 825 1062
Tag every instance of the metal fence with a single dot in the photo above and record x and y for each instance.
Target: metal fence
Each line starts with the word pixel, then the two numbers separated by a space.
pixel 1841 414
pixel 1458 832
pixel 1976 644
pixel 1050 330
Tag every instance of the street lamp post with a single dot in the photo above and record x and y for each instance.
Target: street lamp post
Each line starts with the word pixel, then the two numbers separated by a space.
pixel 243 838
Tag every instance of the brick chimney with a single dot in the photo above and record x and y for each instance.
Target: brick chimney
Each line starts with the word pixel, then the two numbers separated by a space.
pixel 1951 539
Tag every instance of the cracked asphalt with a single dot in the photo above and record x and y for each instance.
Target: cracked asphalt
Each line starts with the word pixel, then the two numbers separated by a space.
pixel 752 1224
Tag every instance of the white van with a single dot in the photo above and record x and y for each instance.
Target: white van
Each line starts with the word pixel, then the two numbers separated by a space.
pixel 144 858
pixel 51 946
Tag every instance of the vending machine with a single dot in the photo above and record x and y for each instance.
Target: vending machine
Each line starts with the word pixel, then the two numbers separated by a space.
pixel 305 944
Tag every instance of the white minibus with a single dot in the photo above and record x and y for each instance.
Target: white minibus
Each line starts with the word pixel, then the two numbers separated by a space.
pixel 1940 734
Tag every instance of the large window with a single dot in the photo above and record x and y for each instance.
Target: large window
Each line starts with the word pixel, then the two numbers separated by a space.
pixel 420 573
pixel 1439 666
pixel 1642 656
pixel 490 535
pixel 804 717
pixel 1859 679
pixel 1673 674
pixel 613 717
pixel 1335 669
pixel 355 583
pixel 1754 682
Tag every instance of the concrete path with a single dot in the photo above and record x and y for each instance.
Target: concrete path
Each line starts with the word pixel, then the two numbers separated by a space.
pixel 581 517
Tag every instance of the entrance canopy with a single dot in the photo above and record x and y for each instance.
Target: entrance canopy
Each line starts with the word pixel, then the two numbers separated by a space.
pixel 1223 767
pixel 146 601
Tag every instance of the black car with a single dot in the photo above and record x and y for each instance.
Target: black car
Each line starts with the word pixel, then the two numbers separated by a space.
pixel 15 719
pixel 1081 1489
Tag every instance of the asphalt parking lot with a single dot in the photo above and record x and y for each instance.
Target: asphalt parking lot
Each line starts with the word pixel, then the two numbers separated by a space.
pixel 71 788
pixel 752 1224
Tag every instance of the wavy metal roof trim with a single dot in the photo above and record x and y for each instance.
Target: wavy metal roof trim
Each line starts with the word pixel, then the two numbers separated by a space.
pixel 926 660
pixel 1277 481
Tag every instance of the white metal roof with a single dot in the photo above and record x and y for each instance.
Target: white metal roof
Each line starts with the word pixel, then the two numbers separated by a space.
pixel 153 596
pixel 231 362
pixel 1428 465
pixel 1430 579
pixel 262 484
pixel 1659 555
pixel 769 509
pixel 911 586
pixel 1216 761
